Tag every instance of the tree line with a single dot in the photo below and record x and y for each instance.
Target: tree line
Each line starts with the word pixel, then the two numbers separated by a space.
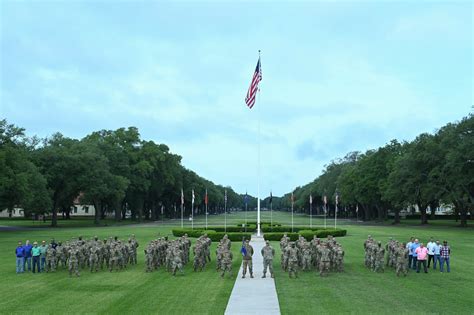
pixel 431 170
pixel 114 170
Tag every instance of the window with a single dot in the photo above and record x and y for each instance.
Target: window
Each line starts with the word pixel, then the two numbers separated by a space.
pixel 86 209
pixel 75 209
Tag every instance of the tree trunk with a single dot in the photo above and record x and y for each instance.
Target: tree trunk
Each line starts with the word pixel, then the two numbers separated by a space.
pixel 68 213
pixel 54 216
pixel 97 205
pixel 117 211
pixel 396 219
pixel 463 217
pixel 424 217
pixel 103 210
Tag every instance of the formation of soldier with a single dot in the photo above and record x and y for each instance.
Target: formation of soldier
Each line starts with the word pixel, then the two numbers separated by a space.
pixel 394 255
pixel 172 255
pixel 93 254
pixel 324 256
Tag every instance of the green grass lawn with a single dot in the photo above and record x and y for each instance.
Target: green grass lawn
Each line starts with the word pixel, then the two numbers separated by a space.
pixel 357 290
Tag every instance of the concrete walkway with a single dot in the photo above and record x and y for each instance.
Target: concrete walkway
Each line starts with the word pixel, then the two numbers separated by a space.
pixel 257 295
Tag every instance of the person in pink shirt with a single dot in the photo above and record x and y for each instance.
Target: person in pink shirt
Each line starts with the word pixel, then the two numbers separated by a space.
pixel 421 254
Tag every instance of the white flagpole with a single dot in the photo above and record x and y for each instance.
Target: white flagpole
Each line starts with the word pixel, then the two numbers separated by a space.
pixel 310 211
pixel 271 212
pixel 225 211
pixel 207 201
pixel 182 210
pixel 292 202
pixel 192 212
pixel 258 167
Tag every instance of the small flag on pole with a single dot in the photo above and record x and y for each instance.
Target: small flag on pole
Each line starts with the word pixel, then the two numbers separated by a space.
pixel 271 198
pixel 246 198
pixel 182 197
pixel 206 200
pixel 310 199
pixel 193 196
pixel 337 198
pixel 357 209
pixel 325 200
pixel 292 198
pixel 253 89
pixel 225 196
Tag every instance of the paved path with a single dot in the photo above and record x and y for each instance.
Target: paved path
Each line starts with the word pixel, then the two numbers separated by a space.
pixel 257 295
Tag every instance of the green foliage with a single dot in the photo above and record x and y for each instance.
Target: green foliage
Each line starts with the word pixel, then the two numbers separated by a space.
pixel 308 234
pixel 214 235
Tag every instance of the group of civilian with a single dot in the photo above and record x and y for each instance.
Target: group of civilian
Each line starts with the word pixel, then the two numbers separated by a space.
pixel 28 256
pixel 420 254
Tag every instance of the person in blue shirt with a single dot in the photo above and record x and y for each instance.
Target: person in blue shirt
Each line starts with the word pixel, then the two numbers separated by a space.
pixel 27 254
pixel 20 258
pixel 437 257
pixel 413 248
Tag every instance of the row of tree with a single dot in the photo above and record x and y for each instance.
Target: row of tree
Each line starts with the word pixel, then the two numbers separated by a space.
pixel 116 171
pixel 431 170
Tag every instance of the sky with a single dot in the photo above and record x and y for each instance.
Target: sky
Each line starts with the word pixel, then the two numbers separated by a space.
pixel 338 76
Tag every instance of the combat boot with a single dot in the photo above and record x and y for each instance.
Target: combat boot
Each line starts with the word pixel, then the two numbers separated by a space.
pixel 251 275
pixel 273 276
pixel 264 276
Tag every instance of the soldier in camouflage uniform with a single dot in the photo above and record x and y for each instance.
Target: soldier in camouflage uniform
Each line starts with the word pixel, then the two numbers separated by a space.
pixel 306 256
pixel 177 261
pixel 247 253
pixel 268 253
pixel 73 260
pixel 339 258
pixel 401 262
pixel 51 259
pixel 94 257
pixel 292 253
pixel 226 261
pixel 325 260
pixel 379 258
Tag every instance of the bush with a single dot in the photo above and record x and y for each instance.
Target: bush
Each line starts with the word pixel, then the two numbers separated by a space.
pixel 190 232
pixel 215 236
pixel 250 228
pixel 307 234
pixel 233 236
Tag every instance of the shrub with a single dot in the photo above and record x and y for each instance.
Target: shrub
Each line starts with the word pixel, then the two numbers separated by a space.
pixel 307 234
pixel 215 236
pixel 250 228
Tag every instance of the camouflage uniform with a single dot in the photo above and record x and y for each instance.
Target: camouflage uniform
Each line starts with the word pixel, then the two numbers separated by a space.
pixel 268 253
pixel 292 253
pixel 74 260
pixel 51 259
pixel 324 263
pixel 247 259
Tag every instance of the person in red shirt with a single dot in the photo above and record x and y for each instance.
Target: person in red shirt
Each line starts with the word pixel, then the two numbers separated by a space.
pixel 422 254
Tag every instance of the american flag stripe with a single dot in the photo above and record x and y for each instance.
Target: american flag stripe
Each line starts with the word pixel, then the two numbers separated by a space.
pixel 252 92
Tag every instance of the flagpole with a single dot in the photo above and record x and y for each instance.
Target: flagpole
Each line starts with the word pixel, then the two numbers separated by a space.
pixel 335 217
pixel 225 211
pixel 291 213
pixel 206 207
pixel 192 213
pixel 182 216
pixel 258 167
pixel 310 211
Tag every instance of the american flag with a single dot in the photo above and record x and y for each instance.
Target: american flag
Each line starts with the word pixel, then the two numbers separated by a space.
pixel 206 200
pixel 252 92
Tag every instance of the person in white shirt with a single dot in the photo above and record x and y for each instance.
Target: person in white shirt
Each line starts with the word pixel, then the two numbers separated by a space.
pixel 408 246
pixel 430 245
pixel 436 252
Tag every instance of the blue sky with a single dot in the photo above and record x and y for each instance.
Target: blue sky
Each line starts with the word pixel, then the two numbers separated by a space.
pixel 337 77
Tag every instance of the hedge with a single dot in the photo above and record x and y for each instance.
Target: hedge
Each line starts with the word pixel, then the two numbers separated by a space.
pixel 307 234
pixel 215 236
pixel 250 228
